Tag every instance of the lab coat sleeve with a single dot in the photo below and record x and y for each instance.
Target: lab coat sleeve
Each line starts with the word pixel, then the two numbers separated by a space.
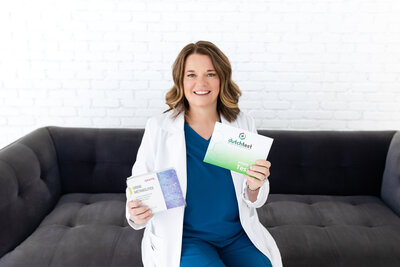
pixel 144 164
pixel 261 197
pixel 264 190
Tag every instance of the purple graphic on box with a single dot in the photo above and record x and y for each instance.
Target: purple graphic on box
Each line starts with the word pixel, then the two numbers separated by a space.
pixel 171 189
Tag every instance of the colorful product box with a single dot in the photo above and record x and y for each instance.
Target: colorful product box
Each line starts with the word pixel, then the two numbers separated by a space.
pixel 157 190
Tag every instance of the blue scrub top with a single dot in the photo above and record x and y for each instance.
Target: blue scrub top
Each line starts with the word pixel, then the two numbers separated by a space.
pixel 211 212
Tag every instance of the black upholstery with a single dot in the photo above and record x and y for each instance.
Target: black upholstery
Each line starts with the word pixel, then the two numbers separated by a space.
pixel 315 230
pixel 29 186
pixel 328 162
pixel 83 230
pixel 95 160
pixel 63 201
pixel 391 176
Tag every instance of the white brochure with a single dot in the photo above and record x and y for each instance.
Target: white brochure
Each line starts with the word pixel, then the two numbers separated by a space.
pixel 236 149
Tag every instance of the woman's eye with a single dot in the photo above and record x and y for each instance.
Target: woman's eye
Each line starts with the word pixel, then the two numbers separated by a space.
pixel 211 74
pixel 190 75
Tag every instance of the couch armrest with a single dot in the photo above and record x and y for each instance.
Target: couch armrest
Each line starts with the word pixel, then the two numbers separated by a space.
pixel 390 191
pixel 29 186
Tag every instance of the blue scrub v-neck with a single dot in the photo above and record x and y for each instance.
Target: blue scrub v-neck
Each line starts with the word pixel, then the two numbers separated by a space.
pixel 190 129
pixel 211 212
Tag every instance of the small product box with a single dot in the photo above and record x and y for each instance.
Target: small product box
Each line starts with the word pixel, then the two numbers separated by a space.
pixel 157 190
pixel 236 149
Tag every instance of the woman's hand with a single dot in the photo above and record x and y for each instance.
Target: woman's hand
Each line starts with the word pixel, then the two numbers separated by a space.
pixel 138 214
pixel 260 171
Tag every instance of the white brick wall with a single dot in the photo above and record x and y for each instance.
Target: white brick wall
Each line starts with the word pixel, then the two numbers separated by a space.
pixel 301 64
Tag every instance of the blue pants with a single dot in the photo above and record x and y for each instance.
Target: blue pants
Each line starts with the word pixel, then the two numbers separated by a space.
pixel 241 252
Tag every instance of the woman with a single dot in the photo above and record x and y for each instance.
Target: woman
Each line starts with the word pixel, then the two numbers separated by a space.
pixel 219 225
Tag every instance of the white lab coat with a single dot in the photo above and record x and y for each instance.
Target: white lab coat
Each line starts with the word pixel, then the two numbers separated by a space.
pixel 163 146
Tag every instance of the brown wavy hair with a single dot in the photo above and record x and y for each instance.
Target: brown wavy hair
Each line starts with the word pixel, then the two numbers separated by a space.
pixel 229 92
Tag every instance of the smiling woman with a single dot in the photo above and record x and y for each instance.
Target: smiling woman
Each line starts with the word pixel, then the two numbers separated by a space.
pixel 201 68
pixel 218 226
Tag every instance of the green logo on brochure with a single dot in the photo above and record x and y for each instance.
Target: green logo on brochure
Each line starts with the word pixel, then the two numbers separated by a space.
pixel 242 136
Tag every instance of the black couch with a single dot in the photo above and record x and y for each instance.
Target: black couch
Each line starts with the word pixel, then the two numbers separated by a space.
pixel 334 201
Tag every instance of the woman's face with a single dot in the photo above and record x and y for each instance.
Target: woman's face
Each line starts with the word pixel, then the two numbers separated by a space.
pixel 200 81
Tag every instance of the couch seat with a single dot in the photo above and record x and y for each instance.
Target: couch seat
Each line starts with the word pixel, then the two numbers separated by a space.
pixel 82 230
pixel 315 230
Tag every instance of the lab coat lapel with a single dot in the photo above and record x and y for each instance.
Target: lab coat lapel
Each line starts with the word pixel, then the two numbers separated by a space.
pixel 177 145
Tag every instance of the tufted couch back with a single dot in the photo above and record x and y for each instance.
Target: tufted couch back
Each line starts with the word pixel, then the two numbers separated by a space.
pixel 310 162
pixel 95 160
pixel 328 162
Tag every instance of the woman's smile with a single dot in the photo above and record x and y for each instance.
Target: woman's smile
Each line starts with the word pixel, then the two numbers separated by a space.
pixel 202 92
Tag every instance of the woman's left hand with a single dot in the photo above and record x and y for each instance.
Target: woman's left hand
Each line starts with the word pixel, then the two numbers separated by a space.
pixel 260 171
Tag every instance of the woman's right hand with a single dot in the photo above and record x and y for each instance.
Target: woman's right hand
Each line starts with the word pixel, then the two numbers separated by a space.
pixel 138 214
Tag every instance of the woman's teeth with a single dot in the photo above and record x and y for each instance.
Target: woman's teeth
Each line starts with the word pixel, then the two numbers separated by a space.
pixel 202 92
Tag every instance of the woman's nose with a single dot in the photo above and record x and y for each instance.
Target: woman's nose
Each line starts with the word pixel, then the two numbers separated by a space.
pixel 202 81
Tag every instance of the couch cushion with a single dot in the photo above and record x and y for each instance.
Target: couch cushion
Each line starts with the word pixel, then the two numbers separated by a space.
pixel 83 230
pixel 333 230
